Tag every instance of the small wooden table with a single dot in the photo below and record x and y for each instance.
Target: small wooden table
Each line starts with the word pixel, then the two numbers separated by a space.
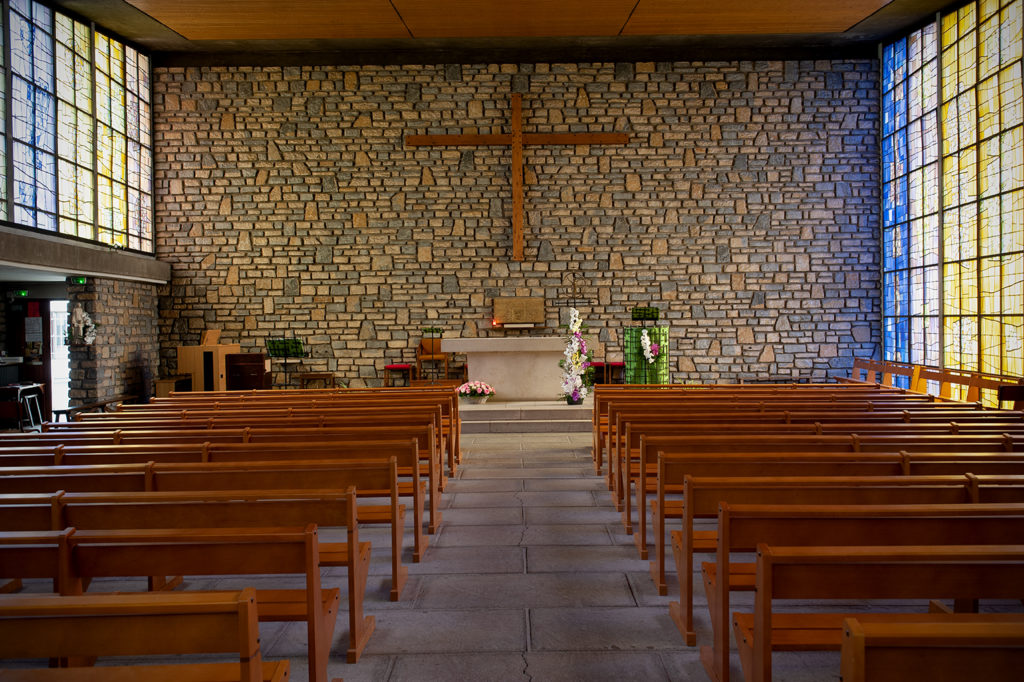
pixel 306 378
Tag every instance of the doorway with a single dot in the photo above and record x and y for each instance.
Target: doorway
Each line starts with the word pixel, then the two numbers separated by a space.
pixel 60 357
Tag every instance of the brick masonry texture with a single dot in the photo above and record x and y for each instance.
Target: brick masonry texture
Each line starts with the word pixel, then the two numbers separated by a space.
pixel 125 356
pixel 745 206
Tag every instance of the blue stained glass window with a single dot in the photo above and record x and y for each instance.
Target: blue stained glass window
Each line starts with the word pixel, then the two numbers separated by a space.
pixel 59 95
pixel 33 114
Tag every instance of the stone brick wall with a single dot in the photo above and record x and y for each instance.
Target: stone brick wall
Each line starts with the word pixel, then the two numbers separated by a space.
pixel 745 206
pixel 124 358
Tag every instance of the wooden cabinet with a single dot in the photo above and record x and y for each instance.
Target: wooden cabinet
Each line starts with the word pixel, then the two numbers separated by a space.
pixel 206 364
pixel 248 371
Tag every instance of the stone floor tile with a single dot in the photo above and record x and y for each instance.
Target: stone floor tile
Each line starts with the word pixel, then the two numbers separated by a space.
pixel 462 485
pixel 563 535
pixel 460 668
pixel 483 517
pixel 525 591
pixel 544 485
pixel 558 498
pixel 476 536
pixel 548 559
pixel 597 666
pixel 487 559
pixel 562 515
pixel 603 629
pixel 462 500
pixel 426 631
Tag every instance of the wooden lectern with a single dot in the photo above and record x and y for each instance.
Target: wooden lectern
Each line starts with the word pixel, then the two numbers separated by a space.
pixel 207 363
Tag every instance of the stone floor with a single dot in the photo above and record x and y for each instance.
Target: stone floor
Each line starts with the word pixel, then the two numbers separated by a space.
pixel 531 577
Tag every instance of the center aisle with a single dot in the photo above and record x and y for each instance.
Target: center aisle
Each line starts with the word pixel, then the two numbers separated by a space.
pixel 530 577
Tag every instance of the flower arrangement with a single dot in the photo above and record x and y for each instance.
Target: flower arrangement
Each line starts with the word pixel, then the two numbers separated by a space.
pixel 475 389
pixel 650 349
pixel 577 374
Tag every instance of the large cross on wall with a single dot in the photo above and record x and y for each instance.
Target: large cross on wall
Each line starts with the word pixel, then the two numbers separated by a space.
pixel 516 139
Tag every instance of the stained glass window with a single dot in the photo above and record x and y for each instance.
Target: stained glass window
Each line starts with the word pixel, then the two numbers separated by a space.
pixel 910 177
pixel 74 127
pixel 81 159
pixel 3 128
pixel 33 115
pixel 964 215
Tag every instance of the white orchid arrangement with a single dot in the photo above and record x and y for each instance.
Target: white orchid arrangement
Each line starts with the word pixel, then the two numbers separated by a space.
pixel 651 350
pixel 576 361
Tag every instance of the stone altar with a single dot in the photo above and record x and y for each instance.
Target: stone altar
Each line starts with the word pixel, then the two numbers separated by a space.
pixel 519 368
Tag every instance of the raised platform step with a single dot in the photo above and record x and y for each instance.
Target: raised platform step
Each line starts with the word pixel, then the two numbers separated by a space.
pixel 526 417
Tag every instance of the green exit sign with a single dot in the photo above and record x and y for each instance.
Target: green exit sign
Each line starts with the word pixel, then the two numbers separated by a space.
pixel 78 280
pixel 21 293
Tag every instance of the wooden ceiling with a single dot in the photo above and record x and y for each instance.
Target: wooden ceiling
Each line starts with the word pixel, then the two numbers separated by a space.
pixel 493 30
pixel 280 20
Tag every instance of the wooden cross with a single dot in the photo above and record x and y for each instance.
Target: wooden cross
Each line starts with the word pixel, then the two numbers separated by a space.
pixel 516 139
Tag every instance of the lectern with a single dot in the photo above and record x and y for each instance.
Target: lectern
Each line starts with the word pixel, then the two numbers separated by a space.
pixel 207 362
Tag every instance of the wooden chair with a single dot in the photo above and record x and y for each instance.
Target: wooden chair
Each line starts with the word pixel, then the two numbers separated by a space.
pixel 429 350
pixel 399 367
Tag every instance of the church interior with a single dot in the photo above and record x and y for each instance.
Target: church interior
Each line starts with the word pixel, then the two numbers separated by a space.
pixel 577 287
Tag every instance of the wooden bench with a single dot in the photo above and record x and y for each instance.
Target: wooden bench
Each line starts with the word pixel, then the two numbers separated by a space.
pixel 173 438
pixel 634 427
pixel 645 470
pixel 447 420
pixel 766 405
pixel 243 551
pixel 233 485
pixel 236 552
pixel 642 396
pixel 747 525
pixel 973 647
pixel 293 430
pixel 862 572
pixel 72 412
pixel 740 472
pixel 49 626
pixel 812 418
pixel 702 497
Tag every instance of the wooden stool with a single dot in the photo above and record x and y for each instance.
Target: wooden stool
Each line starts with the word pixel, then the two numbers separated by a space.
pixel 398 367
pixel 306 378
pixel 31 412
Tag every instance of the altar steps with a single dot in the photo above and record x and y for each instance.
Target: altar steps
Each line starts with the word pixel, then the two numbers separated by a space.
pixel 526 417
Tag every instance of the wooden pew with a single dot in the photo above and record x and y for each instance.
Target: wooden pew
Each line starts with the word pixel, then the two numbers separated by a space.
pixel 744 526
pixel 972 647
pixel 606 394
pixel 285 417
pixel 860 572
pixel 631 462
pixel 298 437
pixel 243 551
pixel 702 497
pixel 445 398
pixel 235 487
pixel 225 509
pixel 741 472
pixel 48 626
pixel 646 469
